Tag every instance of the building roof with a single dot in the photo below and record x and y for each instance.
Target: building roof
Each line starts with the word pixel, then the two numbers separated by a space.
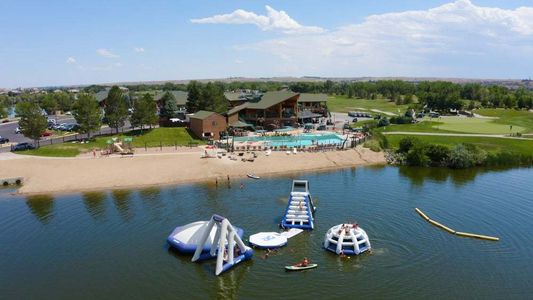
pixel 271 98
pixel 233 96
pixel 101 95
pixel 308 97
pixel 237 108
pixel 181 96
pixel 202 114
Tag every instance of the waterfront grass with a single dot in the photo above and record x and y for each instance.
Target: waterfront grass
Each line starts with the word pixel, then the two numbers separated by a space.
pixel 175 136
pixel 489 144
pixel 344 104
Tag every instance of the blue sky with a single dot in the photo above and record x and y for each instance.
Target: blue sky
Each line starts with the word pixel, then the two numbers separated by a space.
pixel 45 43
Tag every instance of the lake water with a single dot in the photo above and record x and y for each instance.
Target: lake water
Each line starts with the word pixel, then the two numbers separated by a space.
pixel 112 245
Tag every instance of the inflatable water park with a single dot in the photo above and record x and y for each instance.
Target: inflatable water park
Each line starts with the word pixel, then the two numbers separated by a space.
pixel 300 207
pixel 218 239
pixel 347 239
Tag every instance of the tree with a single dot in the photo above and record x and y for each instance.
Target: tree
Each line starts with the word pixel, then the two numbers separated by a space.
pixel 144 112
pixel 49 103
pixel 193 98
pixel 169 108
pixel 64 101
pixel 116 109
pixel 87 114
pixel 438 154
pixel 32 121
pixel 3 110
pixel 213 99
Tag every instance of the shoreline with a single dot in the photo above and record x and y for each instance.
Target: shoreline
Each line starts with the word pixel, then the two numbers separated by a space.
pixel 82 174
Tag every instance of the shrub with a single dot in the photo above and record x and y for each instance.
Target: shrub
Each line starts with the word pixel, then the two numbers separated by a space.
pixel 401 120
pixel 417 156
pixel 407 143
pixel 438 155
pixel 372 145
pixel 383 122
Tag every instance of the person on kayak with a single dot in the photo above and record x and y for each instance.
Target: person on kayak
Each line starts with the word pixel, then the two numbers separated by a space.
pixel 303 263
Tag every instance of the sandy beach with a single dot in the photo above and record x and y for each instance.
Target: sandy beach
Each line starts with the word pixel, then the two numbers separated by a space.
pixel 58 175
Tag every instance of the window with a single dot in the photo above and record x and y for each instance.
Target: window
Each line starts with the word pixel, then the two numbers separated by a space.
pixel 214 123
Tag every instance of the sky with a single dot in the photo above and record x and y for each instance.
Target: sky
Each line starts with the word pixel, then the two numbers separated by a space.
pixel 60 42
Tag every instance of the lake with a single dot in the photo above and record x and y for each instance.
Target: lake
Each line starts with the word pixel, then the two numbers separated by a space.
pixel 109 245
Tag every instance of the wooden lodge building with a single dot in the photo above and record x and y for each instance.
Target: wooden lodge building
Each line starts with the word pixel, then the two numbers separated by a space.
pixel 275 110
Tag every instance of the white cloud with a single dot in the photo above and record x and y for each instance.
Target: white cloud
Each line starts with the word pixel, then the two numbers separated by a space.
pixel 447 39
pixel 71 60
pixel 273 20
pixel 106 53
pixel 138 49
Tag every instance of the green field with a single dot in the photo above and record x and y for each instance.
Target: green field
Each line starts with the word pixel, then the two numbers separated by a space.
pixel 522 122
pixel 487 143
pixel 151 138
pixel 344 104
pixel 519 118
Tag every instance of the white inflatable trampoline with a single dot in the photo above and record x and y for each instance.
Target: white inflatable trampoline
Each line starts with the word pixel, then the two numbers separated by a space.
pixel 348 239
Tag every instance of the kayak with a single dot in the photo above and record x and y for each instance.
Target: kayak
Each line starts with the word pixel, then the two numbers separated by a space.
pixel 297 268
pixel 253 176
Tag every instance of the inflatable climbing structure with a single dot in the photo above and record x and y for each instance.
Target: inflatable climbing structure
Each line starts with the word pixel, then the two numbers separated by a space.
pixel 227 245
pixel 300 208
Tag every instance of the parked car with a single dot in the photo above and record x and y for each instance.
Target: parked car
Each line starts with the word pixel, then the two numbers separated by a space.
pixel 3 140
pixel 434 115
pixel 46 133
pixel 352 114
pixel 354 120
pixel 22 146
pixel 17 130
pixel 346 126
pixel 72 127
pixel 321 127
pixel 420 115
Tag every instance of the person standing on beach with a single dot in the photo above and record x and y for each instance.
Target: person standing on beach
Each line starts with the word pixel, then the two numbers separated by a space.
pixel 94 153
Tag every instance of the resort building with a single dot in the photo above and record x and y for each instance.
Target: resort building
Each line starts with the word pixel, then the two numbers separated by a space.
pixel 313 103
pixel 207 124
pixel 273 110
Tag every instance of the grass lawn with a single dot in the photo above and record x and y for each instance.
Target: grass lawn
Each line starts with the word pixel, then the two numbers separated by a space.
pixel 461 125
pixel 517 118
pixel 487 143
pixel 153 138
pixel 344 104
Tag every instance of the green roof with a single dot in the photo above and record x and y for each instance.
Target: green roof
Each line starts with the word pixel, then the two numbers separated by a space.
pixel 101 95
pixel 237 108
pixel 307 97
pixel 232 96
pixel 181 97
pixel 270 99
pixel 201 114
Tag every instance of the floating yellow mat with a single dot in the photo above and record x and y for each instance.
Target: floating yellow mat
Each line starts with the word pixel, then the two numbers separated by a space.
pixel 459 233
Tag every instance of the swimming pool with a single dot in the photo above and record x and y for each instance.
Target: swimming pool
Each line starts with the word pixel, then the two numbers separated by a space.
pixel 294 140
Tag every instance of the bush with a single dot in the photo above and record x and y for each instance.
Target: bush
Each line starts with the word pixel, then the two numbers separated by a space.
pixel 407 143
pixel 401 120
pixel 438 155
pixel 383 122
pixel 372 145
pixel 417 156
